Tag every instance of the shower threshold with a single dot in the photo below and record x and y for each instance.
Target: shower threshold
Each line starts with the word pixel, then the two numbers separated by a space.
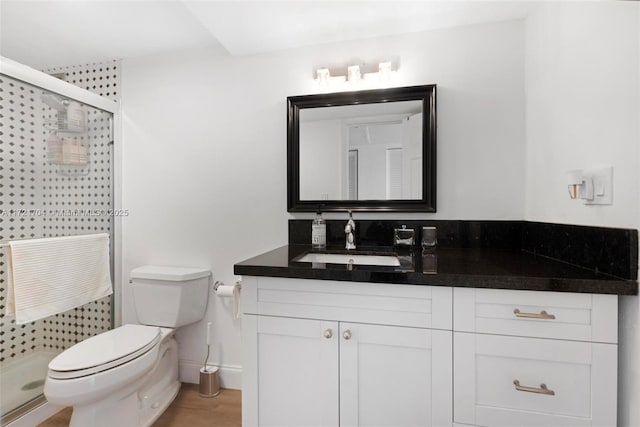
pixel 21 384
pixel 22 410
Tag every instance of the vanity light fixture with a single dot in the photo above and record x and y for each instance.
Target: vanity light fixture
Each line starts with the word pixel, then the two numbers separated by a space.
pixel 355 75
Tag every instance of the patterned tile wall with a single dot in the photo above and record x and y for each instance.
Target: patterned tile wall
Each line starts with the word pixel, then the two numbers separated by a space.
pixel 101 78
pixel 20 189
pixel 65 193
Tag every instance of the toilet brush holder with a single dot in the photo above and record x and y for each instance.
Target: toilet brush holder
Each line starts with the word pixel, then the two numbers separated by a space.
pixel 209 381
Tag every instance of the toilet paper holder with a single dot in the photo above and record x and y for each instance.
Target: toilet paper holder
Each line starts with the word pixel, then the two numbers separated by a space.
pixel 218 283
pixel 224 291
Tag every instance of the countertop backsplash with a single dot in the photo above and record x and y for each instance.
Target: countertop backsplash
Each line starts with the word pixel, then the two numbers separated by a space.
pixel 612 251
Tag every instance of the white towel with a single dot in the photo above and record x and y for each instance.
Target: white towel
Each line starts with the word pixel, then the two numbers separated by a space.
pixel 53 275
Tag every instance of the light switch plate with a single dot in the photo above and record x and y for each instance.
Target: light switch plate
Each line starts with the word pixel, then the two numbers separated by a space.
pixel 602 186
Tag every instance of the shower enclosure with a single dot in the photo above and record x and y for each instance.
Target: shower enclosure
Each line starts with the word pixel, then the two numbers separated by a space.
pixel 56 179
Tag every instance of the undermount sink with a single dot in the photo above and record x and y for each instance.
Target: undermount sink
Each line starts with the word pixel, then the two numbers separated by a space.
pixel 359 259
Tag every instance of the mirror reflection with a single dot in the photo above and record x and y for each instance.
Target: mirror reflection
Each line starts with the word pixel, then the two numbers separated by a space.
pixel 366 150
pixel 362 152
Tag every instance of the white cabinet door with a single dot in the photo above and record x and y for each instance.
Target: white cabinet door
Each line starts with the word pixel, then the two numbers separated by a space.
pixel 394 376
pixel 502 381
pixel 296 372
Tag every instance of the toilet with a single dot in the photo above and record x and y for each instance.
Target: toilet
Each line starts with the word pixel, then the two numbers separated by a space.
pixel 129 375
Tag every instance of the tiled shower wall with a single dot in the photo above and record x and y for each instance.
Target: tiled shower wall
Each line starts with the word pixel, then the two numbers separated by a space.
pixel 21 121
pixel 28 181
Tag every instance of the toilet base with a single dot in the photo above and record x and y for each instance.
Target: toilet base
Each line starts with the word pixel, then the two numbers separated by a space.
pixel 118 413
pixel 150 414
pixel 124 412
pixel 141 403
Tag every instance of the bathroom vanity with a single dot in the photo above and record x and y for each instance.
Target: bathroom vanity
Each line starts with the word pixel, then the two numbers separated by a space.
pixel 464 336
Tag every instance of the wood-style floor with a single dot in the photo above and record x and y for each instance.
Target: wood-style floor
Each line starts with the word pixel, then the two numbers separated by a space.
pixel 187 410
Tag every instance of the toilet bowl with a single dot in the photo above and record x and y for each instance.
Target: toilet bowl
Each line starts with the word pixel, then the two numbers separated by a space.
pixel 128 376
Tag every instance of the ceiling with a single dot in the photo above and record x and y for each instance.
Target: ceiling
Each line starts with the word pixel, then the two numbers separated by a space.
pixel 52 33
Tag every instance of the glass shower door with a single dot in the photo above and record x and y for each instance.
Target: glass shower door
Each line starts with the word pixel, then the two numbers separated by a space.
pixel 55 180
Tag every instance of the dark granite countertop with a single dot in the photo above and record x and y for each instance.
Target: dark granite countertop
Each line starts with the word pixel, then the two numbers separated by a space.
pixel 478 268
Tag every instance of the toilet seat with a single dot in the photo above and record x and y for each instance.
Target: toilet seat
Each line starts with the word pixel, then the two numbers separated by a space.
pixel 104 351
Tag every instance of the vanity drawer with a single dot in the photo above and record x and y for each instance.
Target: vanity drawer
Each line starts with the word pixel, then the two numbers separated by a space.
pixel 560 315
pixel 375 303
pixel 498 381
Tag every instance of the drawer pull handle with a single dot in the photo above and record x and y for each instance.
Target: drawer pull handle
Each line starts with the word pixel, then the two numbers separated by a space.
pixel 328 333
pixel 347 334
pixel 542 390
pixel 542 315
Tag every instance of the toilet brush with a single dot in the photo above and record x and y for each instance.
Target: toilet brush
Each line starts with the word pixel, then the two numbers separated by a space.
pixel 209 382
pixel 206 360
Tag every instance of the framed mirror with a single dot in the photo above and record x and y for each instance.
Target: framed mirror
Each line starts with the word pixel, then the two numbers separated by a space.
pixel 370 150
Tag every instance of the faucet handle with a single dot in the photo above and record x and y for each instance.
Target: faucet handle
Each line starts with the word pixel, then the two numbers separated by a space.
pixel 403 236
pixel 349 231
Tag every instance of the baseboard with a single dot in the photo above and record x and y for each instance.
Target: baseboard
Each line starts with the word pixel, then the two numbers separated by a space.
pixel 230 375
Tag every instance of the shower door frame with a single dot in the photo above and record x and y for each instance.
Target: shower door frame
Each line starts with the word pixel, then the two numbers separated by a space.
pixel 38 410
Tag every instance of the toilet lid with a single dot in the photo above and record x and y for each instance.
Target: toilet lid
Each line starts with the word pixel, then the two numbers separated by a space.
pixel 104 351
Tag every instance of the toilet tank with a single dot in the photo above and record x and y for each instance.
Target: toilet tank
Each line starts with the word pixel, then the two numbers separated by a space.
pixel 170 296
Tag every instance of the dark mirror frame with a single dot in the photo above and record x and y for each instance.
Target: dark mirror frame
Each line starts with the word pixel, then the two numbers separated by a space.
pixel 425 93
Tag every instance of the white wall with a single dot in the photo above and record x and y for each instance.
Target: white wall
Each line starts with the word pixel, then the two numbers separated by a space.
pixel 629 406
pixel 581 108
pixel 204 157
pixel 582 111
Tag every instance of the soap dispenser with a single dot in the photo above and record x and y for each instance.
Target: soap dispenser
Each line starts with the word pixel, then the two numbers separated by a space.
pixel 319 232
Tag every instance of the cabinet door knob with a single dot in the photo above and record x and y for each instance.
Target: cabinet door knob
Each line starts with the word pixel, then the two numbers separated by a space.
pixel 328 333
pixel 346 334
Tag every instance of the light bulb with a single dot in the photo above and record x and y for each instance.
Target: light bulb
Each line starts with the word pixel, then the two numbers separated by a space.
pixel 323 76
pixel 384 71
pixel 353 73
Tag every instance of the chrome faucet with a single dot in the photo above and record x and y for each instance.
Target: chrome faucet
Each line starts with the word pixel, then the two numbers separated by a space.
pixel 349 231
